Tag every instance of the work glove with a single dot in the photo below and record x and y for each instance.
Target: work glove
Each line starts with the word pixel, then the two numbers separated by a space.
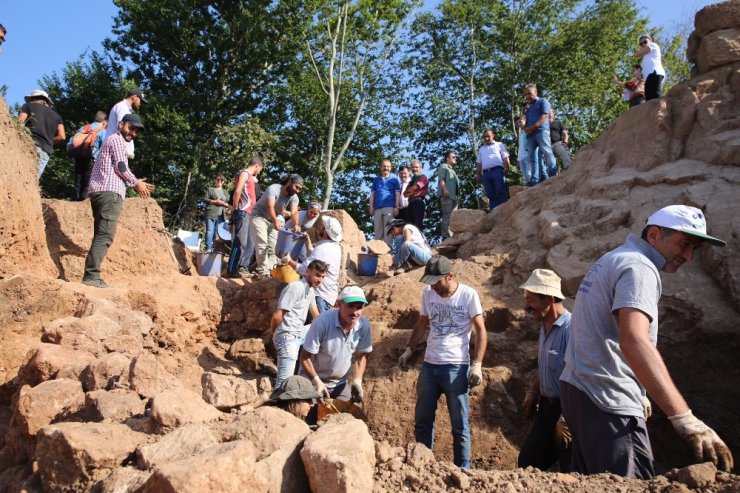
pixel 563 438
pixel 476 374
pixel 647 408
pixel 703 440
pixel 320 388
pixel 529 404
pixel 403 361
pixel 358 395
pixel 285 259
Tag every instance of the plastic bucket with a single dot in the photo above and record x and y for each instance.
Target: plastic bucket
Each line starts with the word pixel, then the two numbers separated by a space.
pixel 367 264
pixel 209 264
pixel 286 241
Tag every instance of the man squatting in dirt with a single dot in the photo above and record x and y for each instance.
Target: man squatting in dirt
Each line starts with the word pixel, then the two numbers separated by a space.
pixel 612 359
pixel 451 310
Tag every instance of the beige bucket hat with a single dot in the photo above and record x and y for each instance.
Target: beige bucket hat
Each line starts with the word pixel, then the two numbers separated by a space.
pixel 545 282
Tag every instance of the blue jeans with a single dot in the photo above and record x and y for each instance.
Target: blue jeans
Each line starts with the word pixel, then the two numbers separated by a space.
pixel 493 183
pixel 540 141
pixel 322 305
pixel 407 251
pixel 452 381
pixel 287 346
pixel 43 160
pixel 242 245
pixel 211 225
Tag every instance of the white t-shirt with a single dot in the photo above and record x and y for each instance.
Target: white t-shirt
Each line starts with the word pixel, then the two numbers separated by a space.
pixel 490 156
pixel 417 237
pixel 121 109
pixel 651 62
pixel 450 324
pixel 404 200
pixel 522 155
pixel 330 252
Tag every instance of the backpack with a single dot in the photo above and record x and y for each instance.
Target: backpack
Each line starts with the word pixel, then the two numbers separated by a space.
pixel 81 144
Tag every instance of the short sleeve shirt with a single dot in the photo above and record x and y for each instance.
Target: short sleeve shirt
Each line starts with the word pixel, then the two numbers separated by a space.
pixel 492 155
pixel 626 277
pixel 384 191
pixel 539 107
pixel 448 174
pixel 330 252
pixel 331 350
pixel 116 114
pixel 215 211
pixel 556 131
pixel 417 237
pixel 43 122
pixel 295 299
pixel 282 201
pixel 422 183
pixel 450 324
pixel 652 61
pixel 551 355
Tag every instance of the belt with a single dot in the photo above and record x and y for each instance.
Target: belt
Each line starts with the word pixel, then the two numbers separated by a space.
pixel 492 168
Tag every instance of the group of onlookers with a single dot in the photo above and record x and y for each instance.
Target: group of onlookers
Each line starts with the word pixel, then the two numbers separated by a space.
pixel 647 76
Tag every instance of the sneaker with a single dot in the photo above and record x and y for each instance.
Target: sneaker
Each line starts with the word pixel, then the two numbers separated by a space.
pixel 97 283
pixel 399 271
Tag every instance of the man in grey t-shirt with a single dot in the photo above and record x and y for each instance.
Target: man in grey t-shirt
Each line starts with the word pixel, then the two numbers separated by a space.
pixel 611 359
pixel 280 199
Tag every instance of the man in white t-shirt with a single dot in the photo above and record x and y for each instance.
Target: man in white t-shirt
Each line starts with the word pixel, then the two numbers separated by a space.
pixel 451 311
pixel 492 164
pixel 409 244
pixel 652 66
pixel 129 104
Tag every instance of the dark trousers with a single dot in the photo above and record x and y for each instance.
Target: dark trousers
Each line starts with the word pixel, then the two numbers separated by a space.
pixel 239 240
pixel 415 212
pixel 83 170
pixel 652 86
pixel 106 208
pixel 605 442
pixel 539 449
pixel 637 101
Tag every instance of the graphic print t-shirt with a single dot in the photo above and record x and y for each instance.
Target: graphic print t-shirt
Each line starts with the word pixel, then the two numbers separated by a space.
pixel 450 324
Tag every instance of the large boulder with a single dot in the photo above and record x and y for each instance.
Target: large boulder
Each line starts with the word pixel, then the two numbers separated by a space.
pixel 466 220
pixel 148 376
pixel 229 391
pixel 114 406
pixel 340 456
pixel 179 444
pixel 178 406
pixel 44 361
pixel 107 372
pixel 718 48
pixel 81 333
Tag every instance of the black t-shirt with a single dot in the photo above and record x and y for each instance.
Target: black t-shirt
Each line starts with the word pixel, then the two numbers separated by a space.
pixel 43 122
pixel 556 131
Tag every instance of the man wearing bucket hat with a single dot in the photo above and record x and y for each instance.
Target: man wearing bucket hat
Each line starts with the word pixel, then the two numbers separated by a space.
pixel 336 347
pixel 543 299
pixel 451 310
pixel 127 106
pixel 47 127
pixel 612 359
pixel 108 181
pixel 295 395
pixel 328 250
pixel 411 248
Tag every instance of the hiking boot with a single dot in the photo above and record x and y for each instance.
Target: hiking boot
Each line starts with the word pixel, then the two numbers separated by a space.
pixel 96 283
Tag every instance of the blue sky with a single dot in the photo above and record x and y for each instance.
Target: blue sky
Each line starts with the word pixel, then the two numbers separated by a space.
pixel 43 35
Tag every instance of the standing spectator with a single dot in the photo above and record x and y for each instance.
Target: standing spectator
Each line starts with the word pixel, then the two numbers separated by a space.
pixel 243 201
pixel 492 165
pixel 410 246
pixel 385 201
pixel 559 139
pixel 448 184
pixel 538 131
pixel 416 193
pixel 45 124
pixel 450 310
pixel 633 90
pixel 612 360
pixel 404 176
pixel 652 66
pixel 85 155
pixel 110 177
pixel 525 168
pixel 218 201
pixel 278 199
pixel 129 104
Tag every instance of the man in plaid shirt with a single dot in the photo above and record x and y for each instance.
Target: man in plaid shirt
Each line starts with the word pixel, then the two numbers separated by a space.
pixel 110 177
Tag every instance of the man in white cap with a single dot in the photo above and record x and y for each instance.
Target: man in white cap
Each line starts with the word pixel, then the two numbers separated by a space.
pixel 329 250
pixel 47 127
pixel 451 311
pixel 543 299
pixel 336 348
pixel 611 360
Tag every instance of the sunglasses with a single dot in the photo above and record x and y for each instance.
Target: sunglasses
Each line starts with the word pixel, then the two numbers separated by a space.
pixel 643 43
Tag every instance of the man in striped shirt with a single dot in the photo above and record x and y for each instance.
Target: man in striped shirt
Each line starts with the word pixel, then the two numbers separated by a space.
pixel 110 177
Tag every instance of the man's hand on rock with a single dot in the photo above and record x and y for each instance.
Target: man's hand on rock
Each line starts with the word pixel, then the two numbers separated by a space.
pixel 320 388
pixel 358 395
pixel 703 440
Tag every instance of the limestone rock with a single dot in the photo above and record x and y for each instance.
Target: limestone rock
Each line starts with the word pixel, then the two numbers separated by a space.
pixel 228 391
pixel 340 456
pixel 81 333
pixel 147 376
pixel 178 406
pixel 107 372
pixel 44 361
pixel 72 456
pixel 718 48
pixel 116 405
pixel 249 354
pixel 122 480
pixel 695 475
pixel 385 452
pixel 227 467
pixel 466 220
pixel 129 320
pixel 184 442
pixel 716 16
pixel 418 455
pixel 378 247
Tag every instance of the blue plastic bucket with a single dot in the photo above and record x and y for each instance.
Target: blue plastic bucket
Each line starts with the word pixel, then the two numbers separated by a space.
pixel 367 264
pixel 286 241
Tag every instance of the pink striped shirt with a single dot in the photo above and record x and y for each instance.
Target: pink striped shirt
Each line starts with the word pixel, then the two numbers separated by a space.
pixel 106 177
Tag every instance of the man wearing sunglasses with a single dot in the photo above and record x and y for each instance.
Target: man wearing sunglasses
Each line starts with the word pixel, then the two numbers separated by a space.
pixel 652 66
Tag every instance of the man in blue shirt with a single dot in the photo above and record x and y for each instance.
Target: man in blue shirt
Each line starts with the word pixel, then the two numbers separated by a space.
pixel 385 201
pixel 538 133
pixel 543 300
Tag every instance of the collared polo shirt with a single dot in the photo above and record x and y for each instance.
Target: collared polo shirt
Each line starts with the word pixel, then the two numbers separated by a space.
pixel 332 350
pixel 536 109
pixel 551 355
pixel 295 299
pixel 492 155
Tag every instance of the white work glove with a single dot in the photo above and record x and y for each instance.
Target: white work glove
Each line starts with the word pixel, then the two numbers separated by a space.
pixel 403 361
pixel 562 433
pixel 358 395
pixel 647 408
pixel 475 377
pixel 285 259
pixel 703 440
pixel 320 388
pixel 529 405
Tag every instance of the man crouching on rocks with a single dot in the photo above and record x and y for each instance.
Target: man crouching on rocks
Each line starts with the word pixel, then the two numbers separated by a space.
pixel 450 310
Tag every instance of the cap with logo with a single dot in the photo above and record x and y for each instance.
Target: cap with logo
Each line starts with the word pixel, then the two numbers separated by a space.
pixel 544 282
pixel 137 92
pixel 685 219
pixel 438 267
pixel 352 294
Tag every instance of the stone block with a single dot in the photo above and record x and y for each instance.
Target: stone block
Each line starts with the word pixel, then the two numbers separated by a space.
pixel 178 406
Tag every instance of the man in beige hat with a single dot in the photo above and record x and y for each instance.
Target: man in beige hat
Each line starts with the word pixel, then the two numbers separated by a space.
pixel 543 299
pixel 612 360
pixel 47 128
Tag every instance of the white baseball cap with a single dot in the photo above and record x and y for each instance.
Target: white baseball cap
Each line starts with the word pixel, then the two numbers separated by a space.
pixel 333 228
pixel 352 294
pixel 685 219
